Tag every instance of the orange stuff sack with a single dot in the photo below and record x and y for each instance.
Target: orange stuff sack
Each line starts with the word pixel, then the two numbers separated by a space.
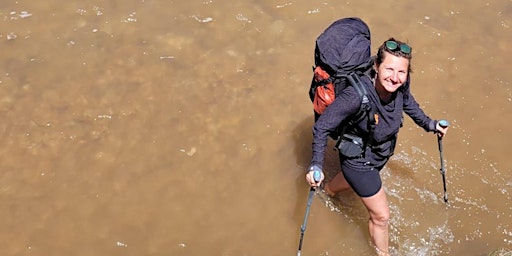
pixel 324 92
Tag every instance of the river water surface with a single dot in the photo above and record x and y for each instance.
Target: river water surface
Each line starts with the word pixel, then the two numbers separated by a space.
pixel 155 127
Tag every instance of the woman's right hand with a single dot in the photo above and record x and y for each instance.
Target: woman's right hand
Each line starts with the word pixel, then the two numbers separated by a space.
pixel 310 176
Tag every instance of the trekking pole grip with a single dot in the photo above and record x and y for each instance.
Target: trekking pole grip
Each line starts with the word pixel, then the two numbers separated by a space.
pixel 443 123
pixel 317 172
pixel 316 175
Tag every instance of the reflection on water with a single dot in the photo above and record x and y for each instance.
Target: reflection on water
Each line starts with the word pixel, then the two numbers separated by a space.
pixel 183 128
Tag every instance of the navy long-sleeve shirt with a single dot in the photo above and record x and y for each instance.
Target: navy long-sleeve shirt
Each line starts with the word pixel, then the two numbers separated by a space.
pixel 389 121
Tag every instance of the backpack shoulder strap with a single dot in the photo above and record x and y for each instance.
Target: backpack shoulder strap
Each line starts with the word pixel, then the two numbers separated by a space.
pixel 355 82
pixel 365 108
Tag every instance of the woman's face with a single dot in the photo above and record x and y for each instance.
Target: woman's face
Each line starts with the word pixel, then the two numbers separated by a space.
pixel 391 73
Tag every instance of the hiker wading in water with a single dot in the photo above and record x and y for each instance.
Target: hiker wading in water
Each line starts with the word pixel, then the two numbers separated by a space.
pixel 389 95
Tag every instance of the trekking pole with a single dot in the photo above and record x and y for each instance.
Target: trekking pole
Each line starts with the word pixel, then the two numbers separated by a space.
pixel 316 176
pixel 444 124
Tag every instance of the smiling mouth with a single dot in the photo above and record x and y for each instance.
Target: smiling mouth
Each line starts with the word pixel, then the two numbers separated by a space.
pixel 392 85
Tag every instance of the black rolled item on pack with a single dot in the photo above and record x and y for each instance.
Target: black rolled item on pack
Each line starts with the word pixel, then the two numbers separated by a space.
pixel 354 35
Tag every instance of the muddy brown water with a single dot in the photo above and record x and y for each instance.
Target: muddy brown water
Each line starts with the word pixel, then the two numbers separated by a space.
pixel 183 128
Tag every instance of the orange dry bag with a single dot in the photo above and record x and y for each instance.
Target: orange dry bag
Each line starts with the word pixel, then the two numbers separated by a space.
pixel 324 94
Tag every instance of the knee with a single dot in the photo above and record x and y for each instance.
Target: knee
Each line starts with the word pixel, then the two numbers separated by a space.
pixel 380 220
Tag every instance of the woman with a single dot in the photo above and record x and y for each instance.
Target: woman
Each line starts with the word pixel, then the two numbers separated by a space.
pixel 390 96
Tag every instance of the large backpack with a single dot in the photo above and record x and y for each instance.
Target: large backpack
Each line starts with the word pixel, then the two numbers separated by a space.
pixel 342 55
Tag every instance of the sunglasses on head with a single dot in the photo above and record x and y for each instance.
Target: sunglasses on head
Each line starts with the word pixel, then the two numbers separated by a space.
pixel 394 46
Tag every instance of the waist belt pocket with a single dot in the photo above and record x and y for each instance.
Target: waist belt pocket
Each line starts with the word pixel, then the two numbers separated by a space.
pixel 350 146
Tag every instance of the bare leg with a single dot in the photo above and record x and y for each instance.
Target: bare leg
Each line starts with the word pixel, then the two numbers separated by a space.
pixel 378 209
pixel 337 184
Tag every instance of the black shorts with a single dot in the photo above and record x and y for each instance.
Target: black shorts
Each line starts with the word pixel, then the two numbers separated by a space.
pixel 363 175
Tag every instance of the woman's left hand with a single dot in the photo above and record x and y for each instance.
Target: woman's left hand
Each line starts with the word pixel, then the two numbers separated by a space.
pixel 441 131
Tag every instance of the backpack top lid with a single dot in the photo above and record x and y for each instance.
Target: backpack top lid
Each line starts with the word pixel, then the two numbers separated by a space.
pixel 343 46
